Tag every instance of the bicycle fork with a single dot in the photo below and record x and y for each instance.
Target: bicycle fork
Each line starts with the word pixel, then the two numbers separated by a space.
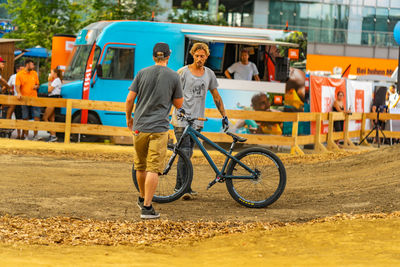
pixel 170 161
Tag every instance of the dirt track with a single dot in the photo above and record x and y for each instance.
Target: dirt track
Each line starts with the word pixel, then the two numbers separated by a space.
pixel 37 182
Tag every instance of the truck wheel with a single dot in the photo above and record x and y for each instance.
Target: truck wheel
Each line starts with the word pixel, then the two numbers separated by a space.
pixel 92 119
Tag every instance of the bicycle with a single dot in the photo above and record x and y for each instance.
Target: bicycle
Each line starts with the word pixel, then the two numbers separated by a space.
pixel 246 174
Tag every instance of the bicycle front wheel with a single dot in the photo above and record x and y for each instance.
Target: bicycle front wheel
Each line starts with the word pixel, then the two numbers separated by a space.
pixel 174 183
pixel 263 190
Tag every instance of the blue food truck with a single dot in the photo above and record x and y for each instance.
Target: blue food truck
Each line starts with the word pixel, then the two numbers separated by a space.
pixel 119 49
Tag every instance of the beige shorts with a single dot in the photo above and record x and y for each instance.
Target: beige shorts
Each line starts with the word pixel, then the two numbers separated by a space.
pixel 150 150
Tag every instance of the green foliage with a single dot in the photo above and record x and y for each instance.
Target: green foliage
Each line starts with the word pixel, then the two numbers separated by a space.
pixel 297 38
pixel 119 10
pixel 196 15
pixel 37 21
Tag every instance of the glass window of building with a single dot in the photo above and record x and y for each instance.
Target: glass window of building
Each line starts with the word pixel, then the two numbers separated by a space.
pixel 382 3
pixel 328 14
pixel 395 3
pixel 301 19
pixel 314 22
pixel 274 17
pixel 356 2
pixel 381 26
pixel 394 17
pixel 368 26
pixel 288 10
pixel 370 3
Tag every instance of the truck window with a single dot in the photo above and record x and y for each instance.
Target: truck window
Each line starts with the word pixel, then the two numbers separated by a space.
pixel 77 67
pixel 118 64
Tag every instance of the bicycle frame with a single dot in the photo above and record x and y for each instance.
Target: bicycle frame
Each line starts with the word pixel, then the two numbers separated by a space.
pixel 195 135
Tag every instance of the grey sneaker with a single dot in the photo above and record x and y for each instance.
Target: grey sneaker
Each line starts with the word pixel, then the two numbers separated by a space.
pixel 149 214
pixel 36 138
pixel 52 138
pixel 140 204
pixel 189 196
pixel 193 193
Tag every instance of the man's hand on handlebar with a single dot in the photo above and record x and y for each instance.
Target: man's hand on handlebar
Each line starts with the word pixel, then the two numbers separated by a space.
pixel 225 123
pixel 180 113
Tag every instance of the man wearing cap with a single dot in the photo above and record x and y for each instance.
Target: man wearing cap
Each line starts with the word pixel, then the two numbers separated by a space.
pixel 27 84
pixel 244 69
pixel 155 88
pixel 197 80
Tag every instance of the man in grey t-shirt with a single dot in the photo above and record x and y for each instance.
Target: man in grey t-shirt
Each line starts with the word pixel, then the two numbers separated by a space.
pixel 156 88
pixel 244 69
pixel 196 81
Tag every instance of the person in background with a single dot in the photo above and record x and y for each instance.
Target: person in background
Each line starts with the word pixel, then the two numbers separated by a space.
pixel 16 109
pixel 393 97
pixel 4 89
pixel 244 69
pixel 54 91
pixel 338 106
pixel 196 80
pixel 27 84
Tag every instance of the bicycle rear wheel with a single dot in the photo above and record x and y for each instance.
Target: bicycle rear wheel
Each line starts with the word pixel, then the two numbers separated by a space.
pixel 260 192
pixel 169 187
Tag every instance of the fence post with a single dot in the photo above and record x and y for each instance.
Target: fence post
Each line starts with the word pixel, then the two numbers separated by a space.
pixel 331 145
pixel 295 129
pixel 68 118
pixel 346 140
pixel 318 147
pixel 362 130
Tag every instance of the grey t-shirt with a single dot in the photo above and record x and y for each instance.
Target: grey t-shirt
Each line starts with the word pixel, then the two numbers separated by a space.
pixel 243 72
pixel 194 93
pixel 156 87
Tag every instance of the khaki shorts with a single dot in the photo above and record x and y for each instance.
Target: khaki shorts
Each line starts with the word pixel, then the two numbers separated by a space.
pixel 150 150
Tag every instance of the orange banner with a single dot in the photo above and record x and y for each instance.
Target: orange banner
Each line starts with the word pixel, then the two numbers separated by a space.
pixel 359 65
pixel 323 92
pixel 61 52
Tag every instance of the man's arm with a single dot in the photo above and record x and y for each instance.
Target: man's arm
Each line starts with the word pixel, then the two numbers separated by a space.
pixel 5 84
pixel 255 71
pixel 130 101
pixel 177 102
pixel 228 75
pixel 218 102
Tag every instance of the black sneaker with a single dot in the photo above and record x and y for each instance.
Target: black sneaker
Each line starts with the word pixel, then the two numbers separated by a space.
pixel 139 203
pixel 149 214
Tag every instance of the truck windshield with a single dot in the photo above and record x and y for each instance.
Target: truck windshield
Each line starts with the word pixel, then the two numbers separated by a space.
pixel 76 69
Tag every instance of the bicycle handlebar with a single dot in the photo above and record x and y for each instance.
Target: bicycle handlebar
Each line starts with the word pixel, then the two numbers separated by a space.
pixel 190 119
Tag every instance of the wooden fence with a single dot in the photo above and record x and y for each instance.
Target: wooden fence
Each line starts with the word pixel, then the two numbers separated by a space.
pixel 294 141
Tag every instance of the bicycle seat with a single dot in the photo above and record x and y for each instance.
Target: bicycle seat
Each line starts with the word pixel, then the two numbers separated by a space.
pixel 236 137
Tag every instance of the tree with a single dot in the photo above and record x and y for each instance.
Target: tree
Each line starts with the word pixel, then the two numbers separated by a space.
pixel 37 21
pixel 196 15
pixel 120 10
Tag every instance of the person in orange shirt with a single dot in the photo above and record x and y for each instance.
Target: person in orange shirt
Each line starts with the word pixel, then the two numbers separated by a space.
pixel 26 85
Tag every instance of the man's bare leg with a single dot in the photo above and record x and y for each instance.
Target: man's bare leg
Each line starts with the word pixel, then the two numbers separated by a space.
pixel 141 178
pixel 35 119
pixel 25 133
pixel 10 111
pixel 150 187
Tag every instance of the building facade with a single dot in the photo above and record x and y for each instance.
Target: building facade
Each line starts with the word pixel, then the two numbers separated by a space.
pixel 335 28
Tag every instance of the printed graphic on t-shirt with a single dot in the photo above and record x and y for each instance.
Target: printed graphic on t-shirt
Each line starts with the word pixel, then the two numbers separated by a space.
pixel 199 88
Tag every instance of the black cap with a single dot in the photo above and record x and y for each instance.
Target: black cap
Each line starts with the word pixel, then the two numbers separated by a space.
pixel 161 50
